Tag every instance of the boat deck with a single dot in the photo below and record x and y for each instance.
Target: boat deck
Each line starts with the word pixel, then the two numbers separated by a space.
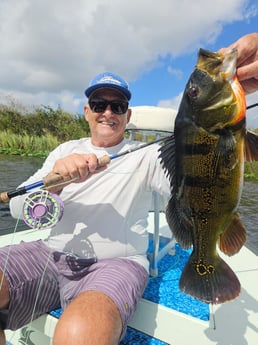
pixel 165 315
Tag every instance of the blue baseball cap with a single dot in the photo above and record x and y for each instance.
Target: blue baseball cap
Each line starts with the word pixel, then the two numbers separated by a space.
pixel 108 80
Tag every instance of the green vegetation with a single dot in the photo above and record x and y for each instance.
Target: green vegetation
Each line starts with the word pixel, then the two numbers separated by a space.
pixel 251 170
pixel 37 132
pixel 17 144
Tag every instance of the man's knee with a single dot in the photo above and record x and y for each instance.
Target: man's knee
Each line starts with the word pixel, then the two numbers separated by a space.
pixel 95 320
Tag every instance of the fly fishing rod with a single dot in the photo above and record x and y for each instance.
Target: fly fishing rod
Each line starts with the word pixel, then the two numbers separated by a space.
pixel 252 106
pixel 54 179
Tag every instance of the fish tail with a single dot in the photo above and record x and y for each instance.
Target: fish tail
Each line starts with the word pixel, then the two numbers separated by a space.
pixel 213 283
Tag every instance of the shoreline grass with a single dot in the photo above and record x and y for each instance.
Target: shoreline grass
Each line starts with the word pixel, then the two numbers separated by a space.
pixel 27 145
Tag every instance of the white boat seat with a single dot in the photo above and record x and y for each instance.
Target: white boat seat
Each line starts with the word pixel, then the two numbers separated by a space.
pixel 151 123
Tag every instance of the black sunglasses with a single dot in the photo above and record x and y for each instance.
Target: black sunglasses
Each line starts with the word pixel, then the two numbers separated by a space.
pixel 99 105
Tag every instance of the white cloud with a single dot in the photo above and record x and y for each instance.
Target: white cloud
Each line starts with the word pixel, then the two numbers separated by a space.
pixel 51 46
pixel 171 103
pixel 175 72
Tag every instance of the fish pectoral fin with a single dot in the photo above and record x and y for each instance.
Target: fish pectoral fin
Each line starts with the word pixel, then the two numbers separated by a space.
pixel 251 146
pixel 181 231
pixel 234 237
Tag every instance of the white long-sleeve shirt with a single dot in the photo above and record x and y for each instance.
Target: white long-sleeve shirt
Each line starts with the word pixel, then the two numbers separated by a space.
pixel 106 216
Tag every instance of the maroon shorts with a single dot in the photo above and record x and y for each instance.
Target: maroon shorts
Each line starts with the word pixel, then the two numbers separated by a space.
pixel 41 280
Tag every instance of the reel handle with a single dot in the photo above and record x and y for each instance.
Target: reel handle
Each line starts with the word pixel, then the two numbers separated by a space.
pixel 53 179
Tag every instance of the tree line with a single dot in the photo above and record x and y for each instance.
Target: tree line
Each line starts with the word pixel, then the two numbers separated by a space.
pixel 38 131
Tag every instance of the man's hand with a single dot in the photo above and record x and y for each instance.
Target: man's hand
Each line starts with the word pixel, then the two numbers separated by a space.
pixel 76 168
pixel 247 62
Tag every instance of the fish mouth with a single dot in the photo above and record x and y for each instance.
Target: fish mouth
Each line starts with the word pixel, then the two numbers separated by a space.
pixel 217 64
pixel 223 67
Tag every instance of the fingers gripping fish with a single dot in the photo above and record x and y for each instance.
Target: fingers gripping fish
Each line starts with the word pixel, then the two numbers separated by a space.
pixel 205 162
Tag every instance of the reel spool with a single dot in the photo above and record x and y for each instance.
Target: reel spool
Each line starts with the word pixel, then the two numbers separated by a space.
pixel 42 209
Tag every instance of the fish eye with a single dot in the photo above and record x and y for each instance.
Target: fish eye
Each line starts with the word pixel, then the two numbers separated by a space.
pixel 193 91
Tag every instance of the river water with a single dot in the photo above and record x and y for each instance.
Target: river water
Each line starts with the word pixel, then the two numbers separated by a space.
pixel 15 169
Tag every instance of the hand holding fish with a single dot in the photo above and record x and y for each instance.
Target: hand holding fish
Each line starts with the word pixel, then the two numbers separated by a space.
pixel 247 62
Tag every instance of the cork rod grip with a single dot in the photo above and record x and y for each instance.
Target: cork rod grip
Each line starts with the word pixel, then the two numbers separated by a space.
pixel 54 179
pixel 51 180
pixel 4 197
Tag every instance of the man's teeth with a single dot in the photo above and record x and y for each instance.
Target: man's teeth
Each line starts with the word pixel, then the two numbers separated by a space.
pixel 108 123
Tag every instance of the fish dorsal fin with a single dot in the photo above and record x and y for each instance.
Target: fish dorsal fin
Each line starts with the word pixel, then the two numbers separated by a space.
pixel 234 237
pixel 251 146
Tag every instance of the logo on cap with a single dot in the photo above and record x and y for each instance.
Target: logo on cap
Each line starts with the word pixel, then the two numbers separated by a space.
pixel 108 80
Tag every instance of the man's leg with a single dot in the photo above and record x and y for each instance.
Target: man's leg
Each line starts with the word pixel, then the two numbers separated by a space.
pixel 28 266
pixel 4 302
pixel 98 306
pixel 2 338
pixel 92 318
pixel 4 292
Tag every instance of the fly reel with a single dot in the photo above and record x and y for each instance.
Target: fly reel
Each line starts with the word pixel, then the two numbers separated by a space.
pixel 42 209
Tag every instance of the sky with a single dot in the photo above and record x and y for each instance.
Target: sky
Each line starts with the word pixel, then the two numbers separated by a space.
pixel 49 50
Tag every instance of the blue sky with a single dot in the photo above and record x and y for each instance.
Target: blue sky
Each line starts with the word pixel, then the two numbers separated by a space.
pixel 158 85
pixel 51 49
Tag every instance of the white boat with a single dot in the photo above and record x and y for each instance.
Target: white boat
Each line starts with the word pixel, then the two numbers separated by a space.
pixel 230 323
pixel 165 315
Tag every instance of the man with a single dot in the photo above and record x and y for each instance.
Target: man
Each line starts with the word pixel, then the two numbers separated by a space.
pixel 96 255
pixel 94 263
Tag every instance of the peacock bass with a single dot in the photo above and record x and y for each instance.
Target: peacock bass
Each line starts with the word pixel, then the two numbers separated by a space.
pixel 205 162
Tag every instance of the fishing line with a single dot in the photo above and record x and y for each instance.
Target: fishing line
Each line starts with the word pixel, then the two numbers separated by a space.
pixel 37 296
pixel 9 251
pixel 42 209
pixel 117 172
pixel 213 317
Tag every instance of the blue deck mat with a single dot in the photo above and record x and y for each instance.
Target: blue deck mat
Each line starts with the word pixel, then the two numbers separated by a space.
pixel 164 290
